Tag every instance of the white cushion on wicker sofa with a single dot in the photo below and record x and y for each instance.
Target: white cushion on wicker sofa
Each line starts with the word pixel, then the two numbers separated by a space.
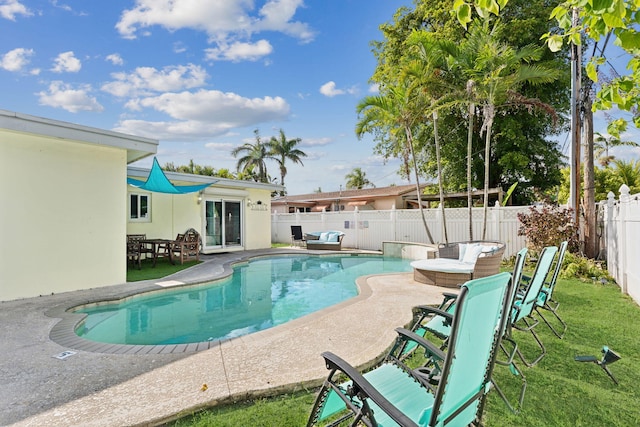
pixel 444 265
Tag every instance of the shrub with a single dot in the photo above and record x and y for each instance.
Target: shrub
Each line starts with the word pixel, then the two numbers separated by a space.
pixel 548 226
pixel 584 269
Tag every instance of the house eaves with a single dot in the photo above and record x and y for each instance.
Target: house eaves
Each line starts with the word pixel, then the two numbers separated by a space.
pixel 142 173
pixel 137 147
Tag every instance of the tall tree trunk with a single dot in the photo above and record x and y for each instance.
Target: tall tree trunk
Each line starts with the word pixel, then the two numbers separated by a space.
pixel 440 186
pixel 418 192
pixel 589 203
pixel 282 174
pixel 489 114
pixel 472 110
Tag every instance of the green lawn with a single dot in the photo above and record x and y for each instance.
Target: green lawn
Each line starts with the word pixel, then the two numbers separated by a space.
pixel 560 392
pixel 163 268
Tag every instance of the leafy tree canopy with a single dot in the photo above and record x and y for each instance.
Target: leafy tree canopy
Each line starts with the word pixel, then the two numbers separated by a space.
pixel 522 150
pixel 597 20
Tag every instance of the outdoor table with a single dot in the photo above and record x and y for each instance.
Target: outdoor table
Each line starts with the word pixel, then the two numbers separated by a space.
pixel 159 248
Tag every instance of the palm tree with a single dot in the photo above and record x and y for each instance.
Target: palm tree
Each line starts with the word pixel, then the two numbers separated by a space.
pixel 357 179
pixel 253 161
pixel 393 113
pixel 225 173
pixel 431 78
pixel 602 144
pixel 498 71
pixel 629 173
pixel 282 149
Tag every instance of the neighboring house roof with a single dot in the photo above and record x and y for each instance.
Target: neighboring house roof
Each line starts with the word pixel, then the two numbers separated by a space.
pixel 137 147
pixel 364 194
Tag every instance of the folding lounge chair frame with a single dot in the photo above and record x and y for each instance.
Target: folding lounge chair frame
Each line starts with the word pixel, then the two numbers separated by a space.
pixel 515 370
pixel 545 298
pixel 526 300
pixel 394 394
pixel 439 325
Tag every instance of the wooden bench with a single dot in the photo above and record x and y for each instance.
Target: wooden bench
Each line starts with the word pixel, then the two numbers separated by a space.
pixel 186 246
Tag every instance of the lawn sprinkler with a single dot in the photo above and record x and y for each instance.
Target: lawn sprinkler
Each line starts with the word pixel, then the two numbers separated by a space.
pixel 608 356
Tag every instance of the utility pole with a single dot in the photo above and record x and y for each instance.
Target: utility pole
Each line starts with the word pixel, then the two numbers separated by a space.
pixel 576 126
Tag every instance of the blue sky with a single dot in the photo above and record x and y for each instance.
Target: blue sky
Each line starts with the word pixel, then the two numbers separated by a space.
pixel 201 75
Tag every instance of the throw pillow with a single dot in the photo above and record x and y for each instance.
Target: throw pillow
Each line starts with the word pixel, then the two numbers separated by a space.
pixel 462 248
pixel 324 236
pixel 489 249
pixel 471 254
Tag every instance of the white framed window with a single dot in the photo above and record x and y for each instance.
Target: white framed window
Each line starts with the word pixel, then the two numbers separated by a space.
pixel 139 207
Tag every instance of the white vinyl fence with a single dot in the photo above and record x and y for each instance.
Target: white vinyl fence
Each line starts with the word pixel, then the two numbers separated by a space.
pixel 368 229
pixel 621 233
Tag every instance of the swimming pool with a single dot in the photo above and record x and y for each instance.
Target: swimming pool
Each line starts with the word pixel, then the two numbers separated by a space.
pixel 260 294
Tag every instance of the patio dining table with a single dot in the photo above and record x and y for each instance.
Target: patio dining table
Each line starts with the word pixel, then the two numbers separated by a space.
pixel 159 248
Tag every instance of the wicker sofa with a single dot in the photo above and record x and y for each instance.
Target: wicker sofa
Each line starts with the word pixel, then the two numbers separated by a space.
pixel 460 262
pixel 324 240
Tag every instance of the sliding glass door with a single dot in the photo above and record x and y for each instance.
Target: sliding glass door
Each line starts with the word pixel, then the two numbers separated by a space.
pixel 223 223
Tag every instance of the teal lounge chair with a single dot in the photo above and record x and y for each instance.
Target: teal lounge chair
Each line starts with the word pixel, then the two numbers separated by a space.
pixel 545 298
pixel 394 394
pixel 433 322
pixel 527 299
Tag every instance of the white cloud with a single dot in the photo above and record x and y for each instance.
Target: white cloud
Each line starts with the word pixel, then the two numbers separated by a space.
pixel 10 8
pixel 239 51
pixel 277 16
pixel 220 146
pixel 61 95
pixel 115 59
pixel 229 24
pixel 203 114
pixel 179 47
pixel 329 89
pixel 145 81
pixel 66 62
pixel 374 88
pixel 61 6
pixel 315 142
pixel 16 59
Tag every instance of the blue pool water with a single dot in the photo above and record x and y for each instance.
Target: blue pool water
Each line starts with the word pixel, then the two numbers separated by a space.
pixel 258 295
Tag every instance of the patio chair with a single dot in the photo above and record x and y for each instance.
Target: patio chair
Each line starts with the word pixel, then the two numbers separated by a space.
pixel 297 237
pixel 394 394
pixel 545 298
pixel 186 246
pixel 526 301
pixel 133 254
pixel 437 322
pixel 143 248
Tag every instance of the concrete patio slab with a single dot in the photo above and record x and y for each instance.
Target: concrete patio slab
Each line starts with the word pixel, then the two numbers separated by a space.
pixel 98 389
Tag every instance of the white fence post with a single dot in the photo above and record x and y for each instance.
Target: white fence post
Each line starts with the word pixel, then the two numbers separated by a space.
pixel 610 240
pixel 358 231
pixel 624 206
pixel 393 216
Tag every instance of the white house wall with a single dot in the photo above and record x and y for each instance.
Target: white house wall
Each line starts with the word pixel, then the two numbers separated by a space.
pixel 173 214
pixel 258 220
pixel 170 214
pixel 62 204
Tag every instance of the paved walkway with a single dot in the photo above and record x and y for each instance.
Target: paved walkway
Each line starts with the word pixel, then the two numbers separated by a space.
pixel 99 389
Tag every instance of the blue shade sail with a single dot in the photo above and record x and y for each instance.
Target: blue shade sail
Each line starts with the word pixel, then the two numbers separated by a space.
pixel 159 183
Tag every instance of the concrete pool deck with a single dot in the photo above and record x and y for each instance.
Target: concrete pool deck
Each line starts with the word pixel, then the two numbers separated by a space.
pixel 91 388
